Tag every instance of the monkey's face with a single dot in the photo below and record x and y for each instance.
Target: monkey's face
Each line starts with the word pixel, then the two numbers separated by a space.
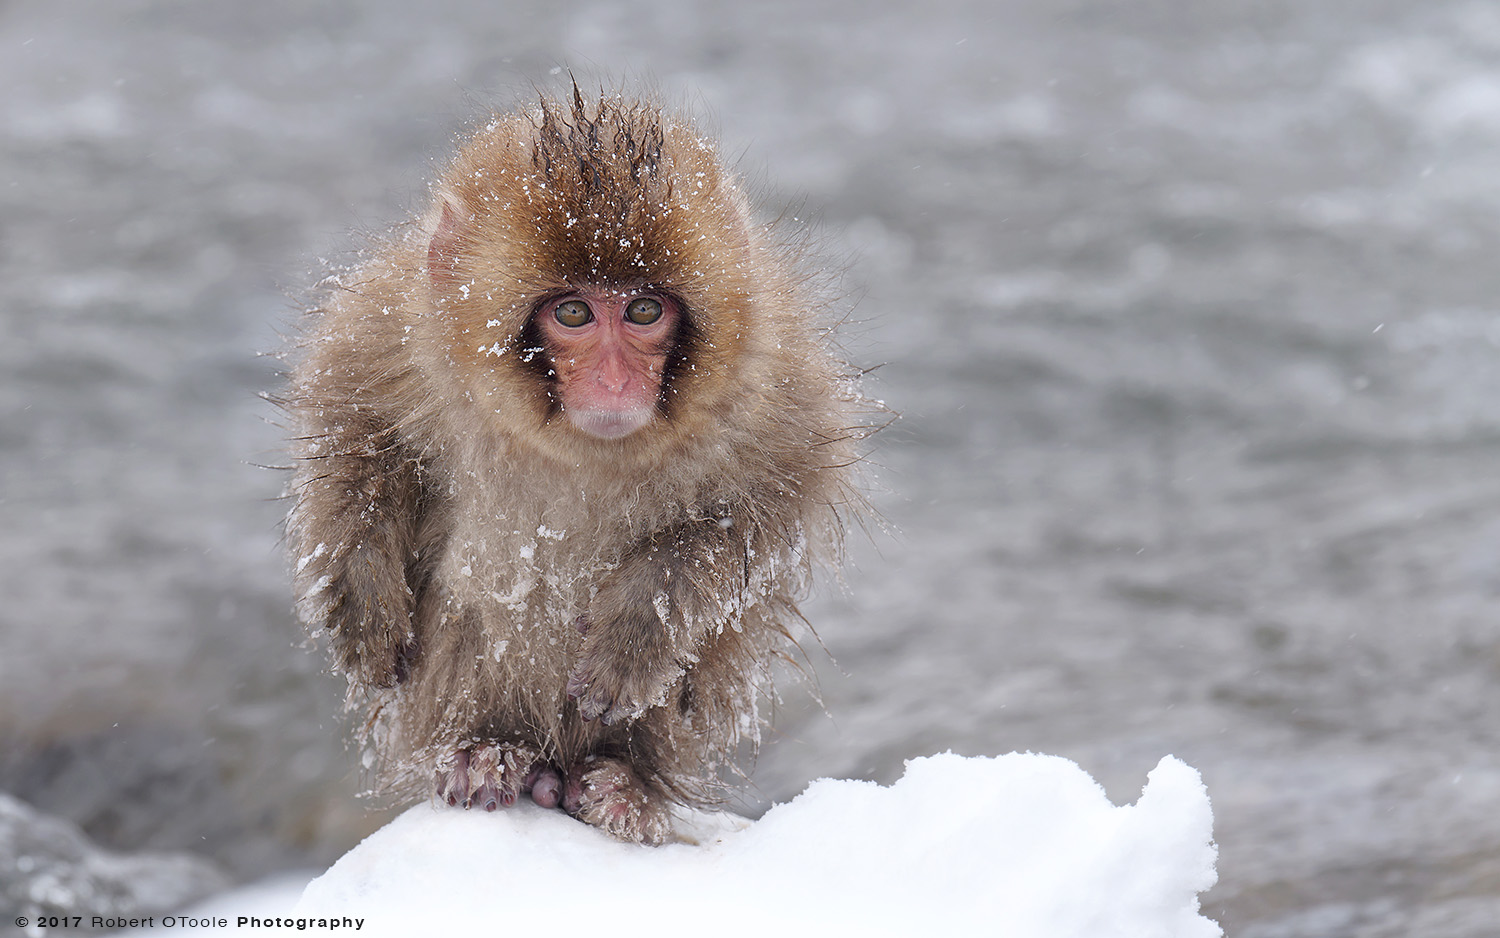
pixel 596 285
pixel 608 353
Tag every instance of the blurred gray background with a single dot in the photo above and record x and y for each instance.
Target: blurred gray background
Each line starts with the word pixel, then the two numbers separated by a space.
pixel 1191 311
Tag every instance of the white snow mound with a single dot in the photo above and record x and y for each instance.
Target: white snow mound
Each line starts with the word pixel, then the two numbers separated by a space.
pixel 1025 846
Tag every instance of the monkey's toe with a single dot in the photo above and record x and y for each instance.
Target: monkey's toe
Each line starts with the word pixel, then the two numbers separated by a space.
pixel 487 776
pixel 545 784
pixel 453 779
pixel 487 797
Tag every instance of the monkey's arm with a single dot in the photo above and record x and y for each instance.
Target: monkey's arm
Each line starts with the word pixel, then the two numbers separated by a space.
pixel 653 615
pixel 357 529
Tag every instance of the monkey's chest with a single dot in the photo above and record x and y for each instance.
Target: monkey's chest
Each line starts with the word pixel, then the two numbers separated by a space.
pixel 522 585
pixel 523 563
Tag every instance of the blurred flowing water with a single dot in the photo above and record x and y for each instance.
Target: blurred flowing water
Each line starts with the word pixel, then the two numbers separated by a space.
pixel 1189 310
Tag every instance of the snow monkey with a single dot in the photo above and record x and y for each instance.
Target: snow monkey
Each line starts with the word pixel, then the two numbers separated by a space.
pixel 567 450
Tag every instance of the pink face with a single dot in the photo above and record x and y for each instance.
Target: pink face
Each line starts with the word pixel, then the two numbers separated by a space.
pixel 609 351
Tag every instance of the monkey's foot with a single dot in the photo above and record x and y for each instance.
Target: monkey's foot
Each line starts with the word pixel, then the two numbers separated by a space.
pixel 493 776
pixel 607 794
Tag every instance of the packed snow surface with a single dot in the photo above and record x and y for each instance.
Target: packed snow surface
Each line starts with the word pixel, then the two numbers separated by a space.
pixel 1026 846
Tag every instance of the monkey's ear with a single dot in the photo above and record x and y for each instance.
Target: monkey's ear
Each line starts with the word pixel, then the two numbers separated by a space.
pixel 443 249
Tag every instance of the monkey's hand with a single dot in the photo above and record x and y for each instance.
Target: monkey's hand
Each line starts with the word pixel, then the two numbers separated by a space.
pixel 625 668
pixel 651 617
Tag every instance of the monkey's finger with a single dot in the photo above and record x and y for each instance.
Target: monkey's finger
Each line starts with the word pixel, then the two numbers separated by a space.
pixel 596 703
pixel 578 684
pixel 620 711
pixel 593 700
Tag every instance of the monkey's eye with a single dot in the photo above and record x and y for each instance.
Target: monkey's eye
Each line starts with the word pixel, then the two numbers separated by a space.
pixel 643 311
pixel 573 313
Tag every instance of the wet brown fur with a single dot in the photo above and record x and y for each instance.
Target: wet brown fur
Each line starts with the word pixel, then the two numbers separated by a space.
pixel 453 531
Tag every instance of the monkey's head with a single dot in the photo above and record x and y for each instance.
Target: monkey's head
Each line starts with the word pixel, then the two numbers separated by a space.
pixel 597 280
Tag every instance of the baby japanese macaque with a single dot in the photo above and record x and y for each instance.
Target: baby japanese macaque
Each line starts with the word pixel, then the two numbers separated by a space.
pixel 567 450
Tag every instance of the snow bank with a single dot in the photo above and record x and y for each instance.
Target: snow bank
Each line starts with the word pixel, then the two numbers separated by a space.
pixel 1020 845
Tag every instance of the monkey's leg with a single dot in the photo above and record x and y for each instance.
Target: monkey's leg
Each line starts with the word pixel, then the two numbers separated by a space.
pixel 490 776
pixel 608 794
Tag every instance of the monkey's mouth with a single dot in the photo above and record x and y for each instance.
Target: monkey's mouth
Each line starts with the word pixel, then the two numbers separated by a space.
pixel 610 424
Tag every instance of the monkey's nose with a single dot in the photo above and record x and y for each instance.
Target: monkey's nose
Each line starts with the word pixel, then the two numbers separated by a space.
pixel 615 378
